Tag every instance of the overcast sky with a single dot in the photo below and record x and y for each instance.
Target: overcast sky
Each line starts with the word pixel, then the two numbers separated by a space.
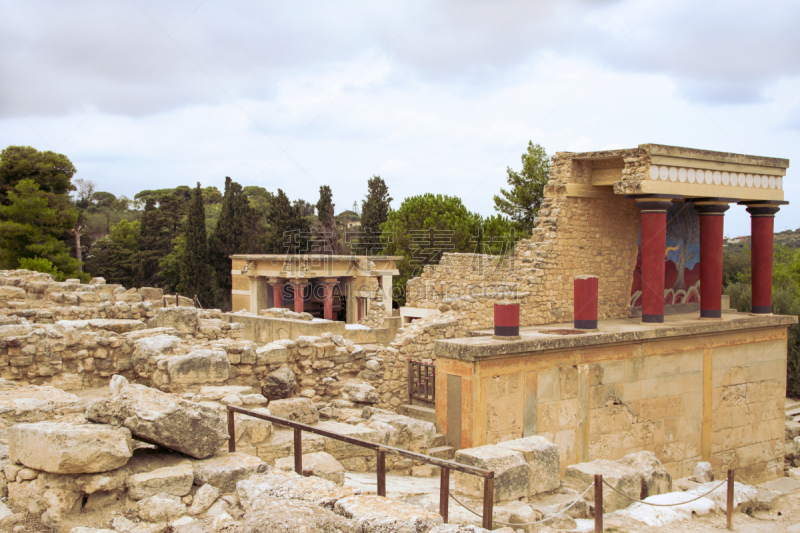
pixel 434 96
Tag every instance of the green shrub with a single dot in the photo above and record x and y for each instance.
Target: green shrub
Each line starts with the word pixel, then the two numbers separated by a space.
pixel 39 264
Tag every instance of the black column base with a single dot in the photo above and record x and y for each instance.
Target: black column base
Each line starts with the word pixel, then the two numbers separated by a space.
pixel 710 313
pixel 506 331
pixel 652 319
pixel 762 310
pixel 585 324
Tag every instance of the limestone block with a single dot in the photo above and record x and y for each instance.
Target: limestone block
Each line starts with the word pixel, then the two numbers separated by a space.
pixel 623 478
pixel 64 448
pixel 150 293
pixel 117 325
pixel 343 450
pixel 460 528
pixel 155 416
pixel 702 473
pixel 161 508
pixel 272 354
pixel 410 433
pixel 174 480
pixel 312 489
pixel 292 516
pixel 147 349
pixel 512 473
pixel 199 366
pixel 224 471
pixel 544 460
pixel 655 478
pixel 255 488
pixel 61 502
pixel 297 409
pixel 320 464
pixel 279 384
pixel 361 392
pixel 11 293
pixel 182 319
pixel 378 513
pixel 281 444
pixel 203 499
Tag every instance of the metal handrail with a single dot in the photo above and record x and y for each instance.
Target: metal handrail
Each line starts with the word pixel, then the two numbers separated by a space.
pixel 381 451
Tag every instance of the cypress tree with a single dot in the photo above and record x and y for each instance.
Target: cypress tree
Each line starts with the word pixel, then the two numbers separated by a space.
pixel 233 235
pixel 161 223
pixel 287 231
pixel 375 208
pixel 196 271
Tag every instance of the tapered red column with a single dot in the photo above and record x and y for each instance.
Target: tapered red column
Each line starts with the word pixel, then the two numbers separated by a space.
pixel 762 228
pixel 277 294
pixel 299 292
pixel 712 218
pixel 328 285
pixel 654 244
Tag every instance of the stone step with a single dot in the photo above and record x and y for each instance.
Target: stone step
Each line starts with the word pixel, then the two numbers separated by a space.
pixel 439 440
pixel 442 452
pixel 419 412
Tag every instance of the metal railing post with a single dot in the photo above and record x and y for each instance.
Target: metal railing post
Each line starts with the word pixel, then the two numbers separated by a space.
pixel 488 502
pixel 231 432
pixel 298 451
pixel 444 493
pixel 381 473
pixel 729 506
pixel 598 503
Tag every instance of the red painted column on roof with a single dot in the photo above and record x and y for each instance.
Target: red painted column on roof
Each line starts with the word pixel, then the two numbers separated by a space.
pixel 585 302
pixel 762 230
pixel 506 319
pixel 654 244
pixel 712 219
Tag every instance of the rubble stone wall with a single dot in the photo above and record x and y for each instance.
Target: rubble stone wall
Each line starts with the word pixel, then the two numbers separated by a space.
pixel 573 236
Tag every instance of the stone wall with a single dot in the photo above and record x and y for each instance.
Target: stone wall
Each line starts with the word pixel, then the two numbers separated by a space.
pixel 703 395
pixel 573 236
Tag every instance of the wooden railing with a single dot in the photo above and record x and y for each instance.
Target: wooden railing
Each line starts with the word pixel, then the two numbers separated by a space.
pixel 421 382
pixel 381 451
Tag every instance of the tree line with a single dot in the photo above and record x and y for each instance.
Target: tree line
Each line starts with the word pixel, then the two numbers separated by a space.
pixel 180 239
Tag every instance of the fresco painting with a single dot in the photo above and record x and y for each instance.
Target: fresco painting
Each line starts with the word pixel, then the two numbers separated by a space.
pixel 681 257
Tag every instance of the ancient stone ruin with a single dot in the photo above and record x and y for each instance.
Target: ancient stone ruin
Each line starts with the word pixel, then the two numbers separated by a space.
pixel 114 402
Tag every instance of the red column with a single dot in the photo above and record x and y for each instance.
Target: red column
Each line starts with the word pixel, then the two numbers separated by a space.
pixel 762 227
pixel 712 218
pixel 328 285
pixel 299 290
pixel 277 294
pixel 506 319
pixel 585 302
pixel 654 244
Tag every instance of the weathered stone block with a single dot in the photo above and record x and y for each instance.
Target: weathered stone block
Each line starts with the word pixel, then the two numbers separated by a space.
pixel 279 384
pixel 63 448
pixel 182 319
pixel 544 460
pixel 297 409
pixel 199 366
pixel 512 474
pixel 655 478
pixel 272 354
pixel 623 478
pixel 165 419
pixel 320 464
pixel 378 513
pixel 224 471
pixel 174 480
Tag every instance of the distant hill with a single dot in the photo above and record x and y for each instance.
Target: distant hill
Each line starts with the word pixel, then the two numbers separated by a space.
pixel 789 238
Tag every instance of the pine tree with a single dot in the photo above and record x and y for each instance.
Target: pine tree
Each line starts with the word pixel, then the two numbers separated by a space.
pixel 234 234
pixel 196 273
pixel 522 202
pixel 375 208
pixel 287 231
